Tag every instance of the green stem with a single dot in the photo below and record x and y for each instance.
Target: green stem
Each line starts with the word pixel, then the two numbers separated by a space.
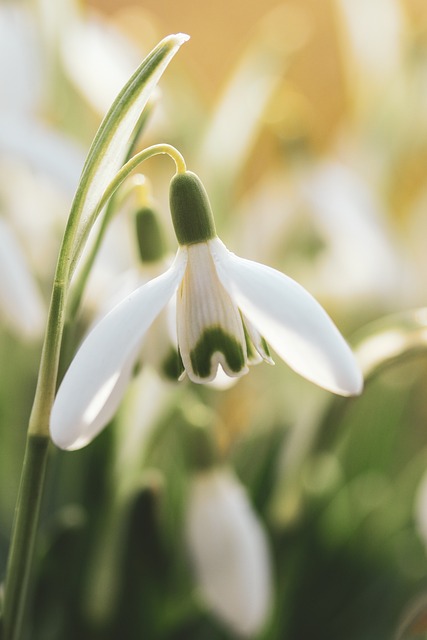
pixel 34 467
pixel 84 271
pixel 48 372
pixel 136 160
pixel 119 178
pixel 25 528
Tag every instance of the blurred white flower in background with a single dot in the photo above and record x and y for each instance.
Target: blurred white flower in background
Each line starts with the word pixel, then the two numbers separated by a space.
pixel 21 304
pixel 39 171
pixel 362 260
pixel 373 60
pixel 23 133
pixel 21 72
pixel 229 550
pixel 97 58
pixel 326 225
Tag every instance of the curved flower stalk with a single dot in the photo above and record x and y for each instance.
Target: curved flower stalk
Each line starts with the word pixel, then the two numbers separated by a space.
pixel 227 308
pixel 229 551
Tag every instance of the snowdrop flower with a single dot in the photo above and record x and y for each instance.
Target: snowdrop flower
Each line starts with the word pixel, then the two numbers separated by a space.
pixel 229 551
pixel 227 308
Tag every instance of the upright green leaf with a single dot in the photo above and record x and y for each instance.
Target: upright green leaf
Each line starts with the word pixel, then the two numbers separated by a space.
pixel 110 145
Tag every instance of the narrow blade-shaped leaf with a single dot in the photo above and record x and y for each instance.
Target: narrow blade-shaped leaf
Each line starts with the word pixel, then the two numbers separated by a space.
pixel 110 145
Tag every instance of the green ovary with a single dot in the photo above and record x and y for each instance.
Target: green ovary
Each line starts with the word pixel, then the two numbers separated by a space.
pixel 172 366
pixel 212 341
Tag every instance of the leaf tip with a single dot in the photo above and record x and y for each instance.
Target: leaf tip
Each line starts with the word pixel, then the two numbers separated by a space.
pixel 181 38
pixel 174 41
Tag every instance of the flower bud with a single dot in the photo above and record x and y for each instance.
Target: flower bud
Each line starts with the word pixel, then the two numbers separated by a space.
pixel 149 234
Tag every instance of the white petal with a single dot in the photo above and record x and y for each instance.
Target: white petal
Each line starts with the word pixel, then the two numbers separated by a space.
pixel 96 380
pixel 203 305
pixel 229 549
pixel 291 320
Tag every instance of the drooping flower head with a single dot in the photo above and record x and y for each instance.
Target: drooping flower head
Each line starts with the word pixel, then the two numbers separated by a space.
pixel 228 309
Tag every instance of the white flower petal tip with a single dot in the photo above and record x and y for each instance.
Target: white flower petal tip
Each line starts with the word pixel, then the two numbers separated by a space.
pixel 96 380
pixel 291 321
pixel 230 553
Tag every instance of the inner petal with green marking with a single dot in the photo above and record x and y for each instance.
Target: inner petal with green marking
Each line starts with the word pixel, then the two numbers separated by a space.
pixel 215 347
pixel 209 324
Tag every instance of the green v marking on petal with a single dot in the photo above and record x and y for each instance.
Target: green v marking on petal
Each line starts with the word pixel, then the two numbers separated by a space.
pixel 214 340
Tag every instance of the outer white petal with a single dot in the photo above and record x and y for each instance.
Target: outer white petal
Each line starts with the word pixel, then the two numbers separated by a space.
pixel 291 320
pixel 96 380
pixel 229 550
